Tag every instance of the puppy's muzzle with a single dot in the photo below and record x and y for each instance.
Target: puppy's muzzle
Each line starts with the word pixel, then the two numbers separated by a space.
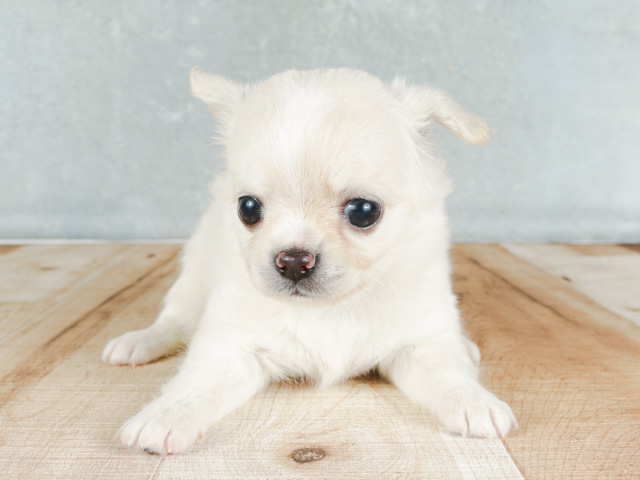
pixel 295 265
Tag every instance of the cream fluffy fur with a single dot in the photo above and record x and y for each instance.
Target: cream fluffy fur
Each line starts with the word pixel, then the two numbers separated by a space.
pixel 305 143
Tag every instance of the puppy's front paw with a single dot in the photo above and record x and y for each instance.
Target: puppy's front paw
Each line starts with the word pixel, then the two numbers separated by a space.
pixel 474 412
pixel 158 430
pixel 133 348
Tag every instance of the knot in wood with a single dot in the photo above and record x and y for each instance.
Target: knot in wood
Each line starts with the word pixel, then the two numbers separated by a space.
pixel 306 455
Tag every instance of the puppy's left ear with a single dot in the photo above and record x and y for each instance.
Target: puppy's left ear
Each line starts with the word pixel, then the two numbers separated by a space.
pixel 223 96
pixel 427 104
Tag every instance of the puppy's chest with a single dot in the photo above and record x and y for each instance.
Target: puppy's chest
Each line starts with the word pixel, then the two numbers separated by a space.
pixel 325 350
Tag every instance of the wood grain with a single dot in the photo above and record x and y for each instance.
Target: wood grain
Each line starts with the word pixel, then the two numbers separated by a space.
pixel 60 405
pixel 58 299
pixel 568 366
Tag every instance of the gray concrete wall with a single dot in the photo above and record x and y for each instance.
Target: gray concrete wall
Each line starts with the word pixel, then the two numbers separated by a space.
pixel 100 139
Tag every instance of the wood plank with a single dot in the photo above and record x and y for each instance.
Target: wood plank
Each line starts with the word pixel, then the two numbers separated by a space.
pixel 60 423
pixel 609 274
pixel 604 250
pixel 50 288
pixel 568 367
pixel 634 248
pixel 366 428
pixel 8 248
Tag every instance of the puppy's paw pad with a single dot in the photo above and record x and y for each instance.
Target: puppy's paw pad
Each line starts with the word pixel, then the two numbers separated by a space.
pixel 157 434
pixel 132 348
pixel 475 412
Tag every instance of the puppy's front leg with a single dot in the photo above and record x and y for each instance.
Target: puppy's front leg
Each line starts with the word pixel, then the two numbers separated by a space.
pixel 215 379
pixel 441 374
pixel 183 307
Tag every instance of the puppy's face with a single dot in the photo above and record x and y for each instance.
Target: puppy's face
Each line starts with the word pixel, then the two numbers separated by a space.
pixel 315 168
pixel 326 178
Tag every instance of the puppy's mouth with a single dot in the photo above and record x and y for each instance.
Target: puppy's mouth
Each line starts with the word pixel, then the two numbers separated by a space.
pixel 307 289
pixel 302 289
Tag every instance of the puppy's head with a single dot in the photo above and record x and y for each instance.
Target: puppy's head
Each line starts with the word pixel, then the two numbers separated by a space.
pixel 331 172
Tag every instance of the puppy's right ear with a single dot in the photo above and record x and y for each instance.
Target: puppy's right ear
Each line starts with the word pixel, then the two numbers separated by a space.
pixel 223 96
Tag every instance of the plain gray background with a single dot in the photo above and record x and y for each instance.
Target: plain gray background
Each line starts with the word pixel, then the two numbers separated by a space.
pixel 100 139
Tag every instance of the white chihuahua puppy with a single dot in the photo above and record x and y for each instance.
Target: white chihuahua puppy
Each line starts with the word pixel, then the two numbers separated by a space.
pixel 323 255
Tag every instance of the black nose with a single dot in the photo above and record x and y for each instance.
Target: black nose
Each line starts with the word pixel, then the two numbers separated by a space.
pixel 295 265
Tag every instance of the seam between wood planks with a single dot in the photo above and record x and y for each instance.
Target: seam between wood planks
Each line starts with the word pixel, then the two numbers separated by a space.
pixel 521 291
pixel 620 323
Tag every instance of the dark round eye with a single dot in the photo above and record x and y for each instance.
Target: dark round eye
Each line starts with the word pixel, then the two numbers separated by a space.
pixel 249 210
pixel 362 213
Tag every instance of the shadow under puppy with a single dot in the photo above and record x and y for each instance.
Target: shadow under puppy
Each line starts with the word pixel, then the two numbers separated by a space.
pixel 324 254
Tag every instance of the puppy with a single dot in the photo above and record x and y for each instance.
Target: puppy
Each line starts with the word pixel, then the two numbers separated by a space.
pixel 324 254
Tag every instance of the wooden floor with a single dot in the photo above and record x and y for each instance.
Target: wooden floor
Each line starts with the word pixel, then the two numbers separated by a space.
pixel 558 327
